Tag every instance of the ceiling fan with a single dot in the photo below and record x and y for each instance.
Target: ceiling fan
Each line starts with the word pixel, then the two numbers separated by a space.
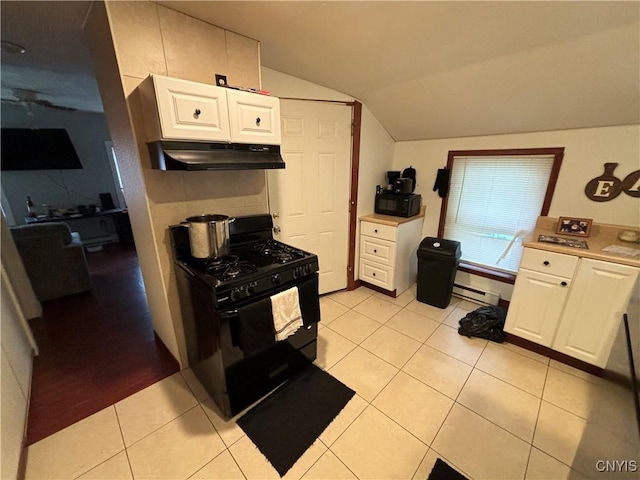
pixel 27 98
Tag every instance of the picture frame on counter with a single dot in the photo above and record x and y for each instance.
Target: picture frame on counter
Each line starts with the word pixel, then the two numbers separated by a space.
pixel 578 227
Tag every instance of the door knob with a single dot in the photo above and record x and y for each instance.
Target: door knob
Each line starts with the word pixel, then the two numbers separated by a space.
pixel 276 230
pixel 276 215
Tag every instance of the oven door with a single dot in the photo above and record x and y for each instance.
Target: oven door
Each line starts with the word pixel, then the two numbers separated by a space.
pixel 387 204
pixel 241 364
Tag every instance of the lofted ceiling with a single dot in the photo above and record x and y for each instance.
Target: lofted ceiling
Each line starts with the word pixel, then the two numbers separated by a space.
pixel 425 69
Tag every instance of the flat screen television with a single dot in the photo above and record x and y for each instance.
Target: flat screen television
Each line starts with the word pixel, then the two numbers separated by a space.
pixel 37 149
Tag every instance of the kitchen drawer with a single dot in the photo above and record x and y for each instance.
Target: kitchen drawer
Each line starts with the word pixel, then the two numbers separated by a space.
pixel 378 250
pixel 549 262
pixel 377 274
pixel 376 230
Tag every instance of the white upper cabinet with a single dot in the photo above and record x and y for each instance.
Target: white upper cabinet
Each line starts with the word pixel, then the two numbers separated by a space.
pixel 176 109
pixel 254 118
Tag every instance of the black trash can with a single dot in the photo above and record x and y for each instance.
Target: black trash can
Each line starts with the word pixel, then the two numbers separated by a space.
pixel 438 261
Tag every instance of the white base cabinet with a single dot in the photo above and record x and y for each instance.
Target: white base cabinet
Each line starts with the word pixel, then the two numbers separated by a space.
pixel 570 304
pixel 388 257
pixel 594 309
pixel 536 306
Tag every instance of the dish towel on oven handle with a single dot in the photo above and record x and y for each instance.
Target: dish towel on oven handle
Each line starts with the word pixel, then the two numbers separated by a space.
pixel 287 317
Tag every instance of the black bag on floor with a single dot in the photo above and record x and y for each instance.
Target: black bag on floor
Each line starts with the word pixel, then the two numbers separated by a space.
pixel 484 322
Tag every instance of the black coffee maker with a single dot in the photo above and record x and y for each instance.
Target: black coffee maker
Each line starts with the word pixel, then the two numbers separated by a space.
pixel 401 182
pixel 398 199
pixel 392 176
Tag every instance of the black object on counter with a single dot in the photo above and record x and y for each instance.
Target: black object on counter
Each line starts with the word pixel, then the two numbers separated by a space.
pixel 410 173
pixel 392 175
pixel 398 205
pixel 402 185
pixel 438 261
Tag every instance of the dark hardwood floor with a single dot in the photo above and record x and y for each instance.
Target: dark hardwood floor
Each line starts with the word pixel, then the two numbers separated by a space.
pixel 96 348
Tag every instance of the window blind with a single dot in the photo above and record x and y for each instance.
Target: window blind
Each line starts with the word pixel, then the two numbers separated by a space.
pixel 493 202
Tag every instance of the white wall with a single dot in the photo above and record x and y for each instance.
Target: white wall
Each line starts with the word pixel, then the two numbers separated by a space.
pixel 586 150
pixel 283 85
pixel 60 188
pixel 128 41
pixel 15 373
pixel 376 145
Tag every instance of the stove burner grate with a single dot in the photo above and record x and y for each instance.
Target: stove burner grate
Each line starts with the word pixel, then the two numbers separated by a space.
pixel 229 267
pixel 279 252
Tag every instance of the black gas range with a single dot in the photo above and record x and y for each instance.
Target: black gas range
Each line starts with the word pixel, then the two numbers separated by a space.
pixel 257 263
pixel 220 300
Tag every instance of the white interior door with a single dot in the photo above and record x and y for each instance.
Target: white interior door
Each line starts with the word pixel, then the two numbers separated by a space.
pixel 309 199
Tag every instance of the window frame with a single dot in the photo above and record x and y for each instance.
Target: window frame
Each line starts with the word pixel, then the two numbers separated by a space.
pixel 558 155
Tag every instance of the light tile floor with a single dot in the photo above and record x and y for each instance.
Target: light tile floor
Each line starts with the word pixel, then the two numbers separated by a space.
pixel 423 391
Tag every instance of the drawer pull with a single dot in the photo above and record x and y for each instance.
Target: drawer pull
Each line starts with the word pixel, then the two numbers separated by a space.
pixel 374 274
pixel 564 284
pixel 258 120
pixel 376 230
pixel 375 251
pixel 546 263
pixel 196 113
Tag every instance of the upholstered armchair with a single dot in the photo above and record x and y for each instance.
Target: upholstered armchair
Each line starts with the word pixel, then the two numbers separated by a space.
pixel 53 258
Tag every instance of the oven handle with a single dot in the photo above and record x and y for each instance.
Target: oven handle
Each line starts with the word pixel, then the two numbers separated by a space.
pixel 234 313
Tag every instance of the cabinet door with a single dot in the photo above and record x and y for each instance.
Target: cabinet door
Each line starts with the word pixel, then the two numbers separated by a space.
pixel 254 118
pixel 589 323
pixel 536 306
pixel 191 111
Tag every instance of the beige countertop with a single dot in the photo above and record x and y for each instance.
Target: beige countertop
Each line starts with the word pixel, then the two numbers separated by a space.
pixel 601 236
pixel 390 219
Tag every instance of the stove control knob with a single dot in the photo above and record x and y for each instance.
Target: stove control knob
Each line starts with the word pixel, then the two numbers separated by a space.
pixel 234 294
pixel 307 269
pixel 296 272
pixel 250 289
pixel 275 279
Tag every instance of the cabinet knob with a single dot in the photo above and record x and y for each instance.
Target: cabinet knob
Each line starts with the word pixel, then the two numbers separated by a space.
pixel 373 274
pixel 564 284
pixel 197 113
pixel 546 263
pixel 258 120
pixel 376 231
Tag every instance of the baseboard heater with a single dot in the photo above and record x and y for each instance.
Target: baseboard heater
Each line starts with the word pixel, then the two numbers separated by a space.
pixel 475 295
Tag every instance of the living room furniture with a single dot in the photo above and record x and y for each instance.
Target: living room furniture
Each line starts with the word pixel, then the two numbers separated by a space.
pixel 94 228
pixel 54 259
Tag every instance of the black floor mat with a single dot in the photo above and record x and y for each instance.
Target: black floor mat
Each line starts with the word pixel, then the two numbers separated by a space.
pixel 285 424
pixel 442 471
